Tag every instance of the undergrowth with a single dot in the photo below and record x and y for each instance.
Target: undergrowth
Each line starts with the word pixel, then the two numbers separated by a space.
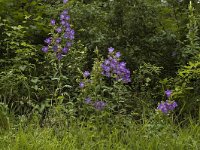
pixel 122 134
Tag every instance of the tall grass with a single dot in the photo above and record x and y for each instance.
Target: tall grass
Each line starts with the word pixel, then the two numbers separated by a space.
pixel 85 135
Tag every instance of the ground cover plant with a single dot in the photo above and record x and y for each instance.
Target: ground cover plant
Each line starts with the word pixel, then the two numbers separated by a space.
pixel 99 74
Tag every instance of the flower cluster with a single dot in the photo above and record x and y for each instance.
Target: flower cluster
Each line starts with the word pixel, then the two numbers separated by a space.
pixel 61 41
pixel 98 105
pixel 168 105
pixel 113 67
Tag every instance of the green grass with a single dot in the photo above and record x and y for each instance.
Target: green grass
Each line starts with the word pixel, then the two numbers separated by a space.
pixel 103 136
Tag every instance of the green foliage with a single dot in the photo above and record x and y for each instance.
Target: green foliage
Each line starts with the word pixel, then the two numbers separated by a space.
pixel 187 88
pixel 187 80
pixel 4 120
pixel 17 65
pixel 192 48
pixel 144 79
pixel 155 39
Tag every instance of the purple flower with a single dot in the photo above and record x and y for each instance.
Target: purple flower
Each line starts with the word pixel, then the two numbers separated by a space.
pixel 174 104
pixel 56 45
pixel 62 16
pixel 55 48
pixel 122 65
pixel 106 68
pixel 118 54
pixel 86 74
pixel 67 25
pixel 107 74
pixel 69 44
pixel 48 40
pixel 71 37
pixel 99 105
pixel 72 32
pixel 65 12
pixel 167 106
pixel 88 100
pixel 59 56
pixel 45 49
pixel 65 50
pixel 168 93
pixel 66 35
pixel 53 22
pixel 112 66
pixel 58 40
pixel 62 22
pixel 59 30
pixel 106 61
pixel 81 85
pixel 163 108
pixel 65 1
pixel 67 17
pixel 110 50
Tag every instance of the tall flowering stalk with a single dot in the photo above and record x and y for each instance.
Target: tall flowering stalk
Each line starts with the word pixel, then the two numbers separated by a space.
pixel 60 41
pixel 62 37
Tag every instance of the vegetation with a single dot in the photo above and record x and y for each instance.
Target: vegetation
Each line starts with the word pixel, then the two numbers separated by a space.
pixel 99 74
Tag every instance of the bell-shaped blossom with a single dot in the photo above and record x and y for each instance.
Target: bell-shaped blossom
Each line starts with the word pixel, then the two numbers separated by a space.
pixel 167 106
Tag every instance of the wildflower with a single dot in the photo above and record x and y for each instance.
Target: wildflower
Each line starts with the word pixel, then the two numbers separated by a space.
pixel 59 56
pixel 58 40
pixel 55 42
pixel 110 50
pixel 53 22
pixel 99 105
pixel 69 44
pixel 65 1
pixel 88 100
pixel 86 74
pixel 65 12
pixel 163 108
pixel 168 93
pixel 62 22
pixel 118 54
pixel 65 50
pixel 67 25
pixel 55 48
pixel 62 16
pixel 45 49
pixel 66 35
pixel 81 85
pixel 174 104
pixel 112 66
pixel 67 17
pixel 48 40
pixel 167 106
pixel 71 34
pixel 59 30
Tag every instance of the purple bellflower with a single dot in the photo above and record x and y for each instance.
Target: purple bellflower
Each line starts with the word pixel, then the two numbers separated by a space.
pixel 110 50
pixel 53 22
pixel 88 100
pixel 168 93
pixel 99 105
pixel 86 74
pixel 45 49
pixel 167 106
pixel 81 85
